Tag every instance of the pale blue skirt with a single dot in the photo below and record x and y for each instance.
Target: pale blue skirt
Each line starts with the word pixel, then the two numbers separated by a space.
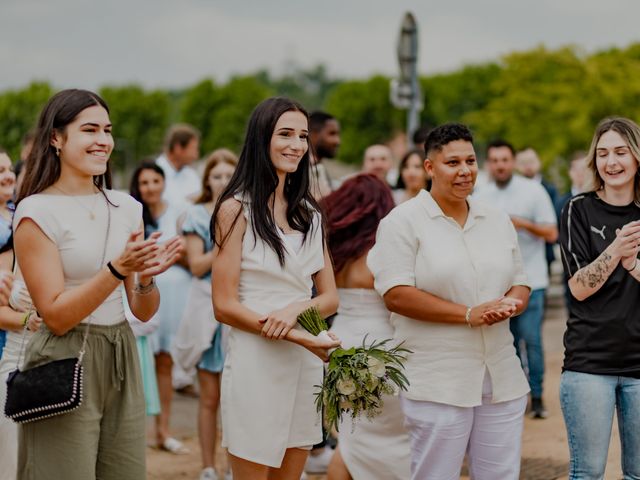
pixel 149 382
pixel 213 357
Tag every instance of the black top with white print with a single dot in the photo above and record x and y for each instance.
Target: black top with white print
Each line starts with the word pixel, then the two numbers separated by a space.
pixel 603 331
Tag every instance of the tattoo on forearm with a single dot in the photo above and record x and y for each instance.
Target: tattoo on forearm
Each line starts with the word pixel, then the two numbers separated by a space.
pixel 596 273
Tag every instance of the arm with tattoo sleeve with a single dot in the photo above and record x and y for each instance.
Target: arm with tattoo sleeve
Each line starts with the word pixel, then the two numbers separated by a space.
pixel 588 280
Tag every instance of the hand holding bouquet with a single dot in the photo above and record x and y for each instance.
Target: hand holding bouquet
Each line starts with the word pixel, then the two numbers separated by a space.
pixel 357 378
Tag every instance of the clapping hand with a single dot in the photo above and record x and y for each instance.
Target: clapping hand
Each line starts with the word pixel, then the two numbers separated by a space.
pixel 139 254
pixel 165 256
pixel 148 257
pixel 627 244
pixel 33 322
pixel 493 311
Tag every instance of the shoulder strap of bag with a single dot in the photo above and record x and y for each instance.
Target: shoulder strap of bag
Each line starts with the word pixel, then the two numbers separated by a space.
pixel 102 264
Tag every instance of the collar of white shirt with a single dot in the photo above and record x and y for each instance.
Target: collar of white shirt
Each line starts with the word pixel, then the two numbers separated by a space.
pixel 476 209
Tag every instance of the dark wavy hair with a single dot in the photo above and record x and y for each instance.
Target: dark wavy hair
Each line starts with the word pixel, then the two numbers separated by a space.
pixel 44 165
pixel 353 213
pixel 256 178
pixel 134 191
pixel 403 165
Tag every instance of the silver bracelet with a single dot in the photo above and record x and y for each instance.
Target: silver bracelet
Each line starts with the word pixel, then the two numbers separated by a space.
pixel 145 289
pixel 467 317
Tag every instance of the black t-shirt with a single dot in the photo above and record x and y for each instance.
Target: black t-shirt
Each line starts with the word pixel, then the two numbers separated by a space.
pixel 603 331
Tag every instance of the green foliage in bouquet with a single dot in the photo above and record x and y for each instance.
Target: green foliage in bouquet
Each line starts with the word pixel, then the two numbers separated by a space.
pixel 357 378
pixel 312 321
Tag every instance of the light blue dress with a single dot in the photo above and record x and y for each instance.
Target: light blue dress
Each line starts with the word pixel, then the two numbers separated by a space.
pixel 173 285
pixel 197 222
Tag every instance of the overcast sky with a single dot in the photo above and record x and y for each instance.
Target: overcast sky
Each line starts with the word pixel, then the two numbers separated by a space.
pixel 161 43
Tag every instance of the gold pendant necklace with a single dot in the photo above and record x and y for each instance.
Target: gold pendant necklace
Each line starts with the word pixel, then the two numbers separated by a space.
pixel 92 215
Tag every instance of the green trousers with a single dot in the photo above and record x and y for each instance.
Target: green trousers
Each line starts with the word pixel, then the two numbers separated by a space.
pixel 104 439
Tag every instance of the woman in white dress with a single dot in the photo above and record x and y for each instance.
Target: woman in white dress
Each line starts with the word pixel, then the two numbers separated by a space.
pixel 378 448
pixel 269 254
pixel 159 215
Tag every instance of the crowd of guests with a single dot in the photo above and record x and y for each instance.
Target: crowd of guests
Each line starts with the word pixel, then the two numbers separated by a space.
pixel 197 279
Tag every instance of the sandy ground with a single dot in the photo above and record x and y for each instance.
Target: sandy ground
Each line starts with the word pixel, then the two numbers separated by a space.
pixel 544 450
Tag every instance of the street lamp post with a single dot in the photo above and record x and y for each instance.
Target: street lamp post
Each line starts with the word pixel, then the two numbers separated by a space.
pixel 405 91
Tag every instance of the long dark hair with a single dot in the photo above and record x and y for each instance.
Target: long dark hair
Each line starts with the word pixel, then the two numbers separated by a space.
pixel 134 191
pixel 256 177
pixel 353 213
pixel 403 164
pixel 43 163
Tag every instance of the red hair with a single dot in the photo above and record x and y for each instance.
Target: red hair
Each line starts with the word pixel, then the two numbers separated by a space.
pixel 353 213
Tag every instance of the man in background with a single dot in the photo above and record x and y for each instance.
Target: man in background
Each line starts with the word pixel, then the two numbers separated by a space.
pixel 181 150
pixel 534 218
pixel 378 160
pixel 324 135
pixel 528 164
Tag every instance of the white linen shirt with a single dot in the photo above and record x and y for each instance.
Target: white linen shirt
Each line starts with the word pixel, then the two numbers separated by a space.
pixel 417 245
pixel 181 186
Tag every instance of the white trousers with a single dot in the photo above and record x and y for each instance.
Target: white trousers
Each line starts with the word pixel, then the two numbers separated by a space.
pixel 491 435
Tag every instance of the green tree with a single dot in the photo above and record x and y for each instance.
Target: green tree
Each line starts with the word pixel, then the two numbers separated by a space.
pixel 139 120
pixel 221 113
pixel 537 99
pixel 198 107
pixel 448 97
pixel 365 113
pixel 613 83
pixel 19 110
pixel 310 87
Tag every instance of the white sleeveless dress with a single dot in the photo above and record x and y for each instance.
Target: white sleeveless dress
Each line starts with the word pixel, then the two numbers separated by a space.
pixel 267 397
pixel 20 301
pixel 378 448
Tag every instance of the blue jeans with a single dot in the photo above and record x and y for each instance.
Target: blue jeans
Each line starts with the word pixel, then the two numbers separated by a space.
pixel 527 328
pixel 588 403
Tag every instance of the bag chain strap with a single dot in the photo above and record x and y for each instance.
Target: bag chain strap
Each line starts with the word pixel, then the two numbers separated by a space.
pixel 86 332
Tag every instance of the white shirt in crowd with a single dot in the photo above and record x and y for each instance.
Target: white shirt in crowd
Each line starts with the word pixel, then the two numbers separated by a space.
pixel 417 245
pixel 525 198
pixel 180 185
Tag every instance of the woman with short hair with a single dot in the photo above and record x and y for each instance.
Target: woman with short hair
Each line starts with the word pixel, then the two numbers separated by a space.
pixel 449 270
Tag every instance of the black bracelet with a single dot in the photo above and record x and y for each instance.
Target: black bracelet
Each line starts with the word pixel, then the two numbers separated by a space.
pixel 115 272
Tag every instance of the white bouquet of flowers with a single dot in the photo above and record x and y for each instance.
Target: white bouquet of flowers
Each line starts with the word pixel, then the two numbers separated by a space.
pixel 357 378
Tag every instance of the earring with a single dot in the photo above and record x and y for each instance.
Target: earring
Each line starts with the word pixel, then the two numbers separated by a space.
pixel 57 152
